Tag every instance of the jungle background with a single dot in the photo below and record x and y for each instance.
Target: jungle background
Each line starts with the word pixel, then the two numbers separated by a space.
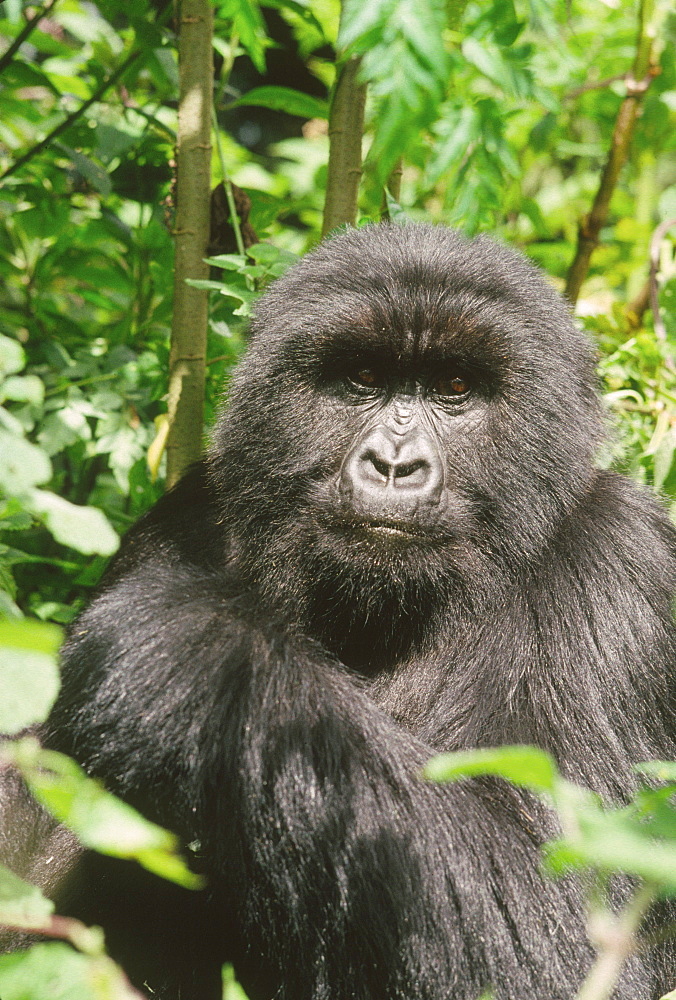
pixel 548 123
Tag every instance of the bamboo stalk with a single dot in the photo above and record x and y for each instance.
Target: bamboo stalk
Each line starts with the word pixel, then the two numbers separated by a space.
pixel 187 359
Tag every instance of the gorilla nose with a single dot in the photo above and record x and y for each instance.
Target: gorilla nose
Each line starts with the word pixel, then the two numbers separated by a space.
pixel 390 473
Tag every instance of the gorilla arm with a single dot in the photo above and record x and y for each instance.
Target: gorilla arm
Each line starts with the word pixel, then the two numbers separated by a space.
pixel 348 874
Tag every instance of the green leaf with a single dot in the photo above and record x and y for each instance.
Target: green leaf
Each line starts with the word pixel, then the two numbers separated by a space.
pixel 203 283
pixel 610 844
pixel 83 528
pixel 29 683
pixel 29 677
pixel 363 21
pixel 292 102
pixel 523 765
pixel 54 971
pixel 22 904
pixel 662 770
pixel 228 261
pixel 405 61
pixel 12 357
pixel 98 819
pixel 394 210
pixel 13 8
pixel 664 469
pixel 22 465
pixel 248 24
pixel 231 988
pixel 89 169
pixel 23 389
pixel 271 256
pixel 32 635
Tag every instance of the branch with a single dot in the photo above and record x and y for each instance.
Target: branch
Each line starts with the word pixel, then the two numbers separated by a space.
pixel 638 81
pixel 6 57
pixel 73 117
pixel 595 85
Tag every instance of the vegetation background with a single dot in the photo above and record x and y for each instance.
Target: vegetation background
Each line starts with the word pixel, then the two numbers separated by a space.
pixel 549 123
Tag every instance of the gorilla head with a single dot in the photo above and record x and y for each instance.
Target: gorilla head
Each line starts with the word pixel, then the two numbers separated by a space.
pixel 415 414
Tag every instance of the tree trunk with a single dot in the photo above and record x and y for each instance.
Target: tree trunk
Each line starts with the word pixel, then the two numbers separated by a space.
pixel 187 357
pixel 346 128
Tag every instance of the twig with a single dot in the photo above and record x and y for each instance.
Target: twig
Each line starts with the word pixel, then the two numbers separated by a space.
pixel 73 117
pixel 7 55
pixel 596 85
pixel 657 237
pixel 617 944
pixel 227 185
pixel 637 83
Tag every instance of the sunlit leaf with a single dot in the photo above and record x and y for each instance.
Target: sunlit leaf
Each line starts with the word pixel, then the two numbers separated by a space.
pixel 523 765
pixel 291 102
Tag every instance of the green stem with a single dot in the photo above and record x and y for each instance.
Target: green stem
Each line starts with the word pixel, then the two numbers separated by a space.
pixel 621 943
pixel 234 218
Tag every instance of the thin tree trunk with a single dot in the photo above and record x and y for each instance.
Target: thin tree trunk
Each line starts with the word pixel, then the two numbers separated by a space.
pixel 590 226
pixel 189 325
pixel 346 127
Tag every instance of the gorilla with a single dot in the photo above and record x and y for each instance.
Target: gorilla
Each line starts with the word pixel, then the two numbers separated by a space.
pixel 399 544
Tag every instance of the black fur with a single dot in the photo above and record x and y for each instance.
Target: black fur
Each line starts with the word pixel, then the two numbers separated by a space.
pixel 268 663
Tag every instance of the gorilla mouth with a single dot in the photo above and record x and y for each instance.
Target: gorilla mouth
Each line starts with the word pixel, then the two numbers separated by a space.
pixel 394 528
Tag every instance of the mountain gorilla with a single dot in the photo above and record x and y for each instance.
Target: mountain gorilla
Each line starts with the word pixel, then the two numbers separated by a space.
pixel 399 544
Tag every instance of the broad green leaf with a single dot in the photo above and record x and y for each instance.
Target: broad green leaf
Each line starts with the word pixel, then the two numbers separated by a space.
pixel 292 102
pixel 28 634
pixel 228 261
pixel 29 677
pixel 204 284
pixel 22 904
pixel 22 465
pixel 13 9
pixel 23 389
pixel 90 170
pixel 610 844
pixel 523 765
pixel 98 819
pixel 271 256
pixel 12 357
pixel 54 971
pixel 83 528
pixel 664 460
pixel 8 607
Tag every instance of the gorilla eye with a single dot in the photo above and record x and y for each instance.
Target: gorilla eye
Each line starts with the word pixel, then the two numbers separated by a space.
pixel 458 385
pixel 367 378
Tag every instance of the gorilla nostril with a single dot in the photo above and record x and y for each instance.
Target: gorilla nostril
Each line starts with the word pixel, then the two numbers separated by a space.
pixel 410 468
pixel 379 464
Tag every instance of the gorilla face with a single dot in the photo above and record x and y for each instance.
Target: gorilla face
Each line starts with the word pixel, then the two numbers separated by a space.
pixel 413 404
